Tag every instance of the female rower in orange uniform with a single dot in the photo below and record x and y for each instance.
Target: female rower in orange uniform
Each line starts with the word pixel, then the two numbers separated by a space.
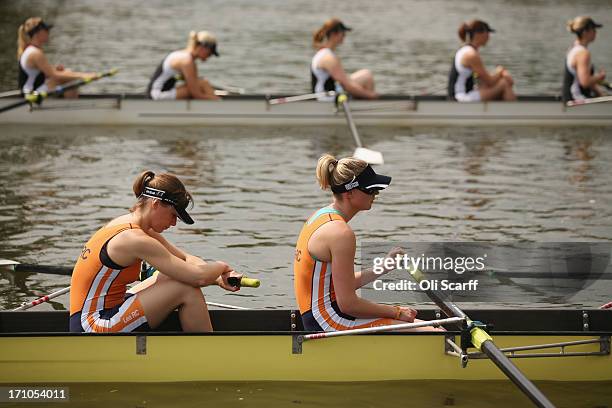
pixel 324 277
pixel 111 259
pixel 35 71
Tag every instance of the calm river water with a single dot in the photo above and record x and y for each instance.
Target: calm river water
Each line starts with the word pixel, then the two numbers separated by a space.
pixel 254 187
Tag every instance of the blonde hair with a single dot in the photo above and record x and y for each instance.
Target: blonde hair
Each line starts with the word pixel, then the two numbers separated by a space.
pixel 23 39
pixel 333 172
pixel 579 24
pixel 200 37
pixel 320 35
pixel 167 182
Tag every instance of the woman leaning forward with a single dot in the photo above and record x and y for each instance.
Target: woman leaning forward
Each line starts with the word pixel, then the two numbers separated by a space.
pixel 111 259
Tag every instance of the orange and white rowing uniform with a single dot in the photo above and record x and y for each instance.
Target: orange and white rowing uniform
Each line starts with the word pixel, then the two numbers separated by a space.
pixel 98 301
pixel 314 284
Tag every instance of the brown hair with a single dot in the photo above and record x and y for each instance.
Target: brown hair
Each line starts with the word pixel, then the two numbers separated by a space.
pixel 319 36
pixel 332 172
pixel 23 39
pixel 166 182
pixel 579 24
pixel 471 27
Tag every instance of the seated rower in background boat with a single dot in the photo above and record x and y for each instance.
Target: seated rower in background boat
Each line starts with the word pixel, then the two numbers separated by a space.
pixel 580 81
pixel 467 65
pixel 35 71
pixel 181 65
pixel 327 73
pixel 111 259
pixel 325 281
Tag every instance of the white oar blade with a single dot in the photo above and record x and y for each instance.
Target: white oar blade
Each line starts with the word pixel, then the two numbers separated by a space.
pixel 368 156
pixel 8 262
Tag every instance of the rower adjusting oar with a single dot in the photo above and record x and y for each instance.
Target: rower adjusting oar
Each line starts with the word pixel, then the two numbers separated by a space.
pixel 588 101
pixel 298 98
pixel 38 97
pixel 367 155
pixel 483 342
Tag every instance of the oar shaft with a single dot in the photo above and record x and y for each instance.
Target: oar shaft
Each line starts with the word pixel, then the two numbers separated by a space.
pixel 390 327
pixel 486 345
pixel 43 299
pixel 514 374
pixel 8 94
pixel 298 98
pixel 349 120
pixel 588 101
pixel 37 97
pixel 47 269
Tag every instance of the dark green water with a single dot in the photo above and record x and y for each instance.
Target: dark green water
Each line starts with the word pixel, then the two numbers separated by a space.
pixel 426 394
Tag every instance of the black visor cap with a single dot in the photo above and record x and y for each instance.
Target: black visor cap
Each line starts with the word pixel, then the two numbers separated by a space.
pixel 40 26
pixel 366 180
pixel 212 47
pixel 163 196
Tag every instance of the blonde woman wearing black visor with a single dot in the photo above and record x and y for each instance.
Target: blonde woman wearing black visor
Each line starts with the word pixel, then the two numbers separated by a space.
pixel 181 66
pixel 324 276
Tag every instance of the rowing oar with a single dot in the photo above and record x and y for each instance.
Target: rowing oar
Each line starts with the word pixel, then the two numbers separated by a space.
pixel 48 269
pixel 367 155
pixel 8 94
pixel 588 101
pixel 298 98
pixel 229 89
pixel 29 305
pixel 483 342
pixel 389 327
pixel 67 271
pixel 38 97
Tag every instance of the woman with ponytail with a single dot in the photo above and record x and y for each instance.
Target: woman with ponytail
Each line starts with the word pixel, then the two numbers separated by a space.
pixel 327 73
pixel 468 66
pixel 325 281
pixel 181 65
pixel 580 81
pixel 35 71
pixel 111 260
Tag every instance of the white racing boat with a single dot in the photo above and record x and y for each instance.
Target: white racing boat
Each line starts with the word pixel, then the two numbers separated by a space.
pixel 255 110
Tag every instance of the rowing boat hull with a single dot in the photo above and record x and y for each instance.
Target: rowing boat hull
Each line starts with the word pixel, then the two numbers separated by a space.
pixel 253 110
pixel 270 356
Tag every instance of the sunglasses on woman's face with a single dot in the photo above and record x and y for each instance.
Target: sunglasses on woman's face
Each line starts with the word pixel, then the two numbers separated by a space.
pixel 369 191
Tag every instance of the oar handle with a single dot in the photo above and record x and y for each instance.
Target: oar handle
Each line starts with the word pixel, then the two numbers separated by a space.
pixel 244 282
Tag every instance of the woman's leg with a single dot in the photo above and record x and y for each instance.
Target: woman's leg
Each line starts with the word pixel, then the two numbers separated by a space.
pixel 70 94
pixel 182 92
pixel 502 90
pixel 364 78
pixel 160 295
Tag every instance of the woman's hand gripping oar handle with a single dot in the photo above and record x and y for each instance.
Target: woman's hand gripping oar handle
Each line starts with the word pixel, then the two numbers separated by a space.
pixel 243 282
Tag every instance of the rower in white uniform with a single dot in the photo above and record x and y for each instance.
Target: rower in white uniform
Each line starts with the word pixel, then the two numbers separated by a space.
pixel 327 73
pixel 469 80
pixel 580 81
pixel 181 65
pixel 36 74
